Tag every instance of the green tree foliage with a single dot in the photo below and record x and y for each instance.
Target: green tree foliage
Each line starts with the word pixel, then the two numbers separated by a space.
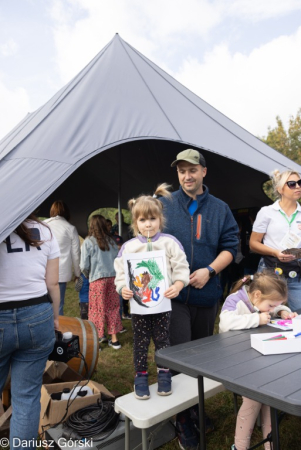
pixel 109 213
pixel 278 138
pixel 295 137
pixel 287 142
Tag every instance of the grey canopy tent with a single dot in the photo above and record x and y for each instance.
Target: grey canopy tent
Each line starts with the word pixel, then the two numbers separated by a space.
pixel 111 134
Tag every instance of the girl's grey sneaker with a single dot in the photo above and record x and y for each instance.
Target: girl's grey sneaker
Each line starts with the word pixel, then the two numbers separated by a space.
pixel 164 383
pixel 116 345
pixel 124 330
pixel 141 386
pixel 103 340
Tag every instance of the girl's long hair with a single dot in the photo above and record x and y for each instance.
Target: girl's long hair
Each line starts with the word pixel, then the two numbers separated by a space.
pixel 26 234
pixel 98 228
pixel 267 282
pixel 148 206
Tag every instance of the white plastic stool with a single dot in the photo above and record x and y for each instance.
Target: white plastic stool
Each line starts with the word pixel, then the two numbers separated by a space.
pixel 146 413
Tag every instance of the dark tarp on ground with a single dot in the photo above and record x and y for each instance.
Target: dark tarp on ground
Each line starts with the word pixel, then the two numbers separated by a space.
pixel 123 114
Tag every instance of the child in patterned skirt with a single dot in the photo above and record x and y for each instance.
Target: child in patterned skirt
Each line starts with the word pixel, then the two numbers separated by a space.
pixel 97 262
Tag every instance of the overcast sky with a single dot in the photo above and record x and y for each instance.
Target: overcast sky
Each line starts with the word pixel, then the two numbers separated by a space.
pixel 241 56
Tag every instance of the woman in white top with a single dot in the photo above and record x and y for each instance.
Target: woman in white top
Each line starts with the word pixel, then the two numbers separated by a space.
pixel 29 306
pixel 277 228
pixel 67 237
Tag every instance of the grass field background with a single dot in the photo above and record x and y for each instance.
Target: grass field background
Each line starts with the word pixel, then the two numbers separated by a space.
pixel 116 371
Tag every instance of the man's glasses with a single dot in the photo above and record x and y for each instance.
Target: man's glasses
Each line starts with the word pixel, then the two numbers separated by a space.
pixel 293 184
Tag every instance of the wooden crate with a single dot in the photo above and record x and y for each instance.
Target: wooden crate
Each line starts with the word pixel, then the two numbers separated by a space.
pixel 4 420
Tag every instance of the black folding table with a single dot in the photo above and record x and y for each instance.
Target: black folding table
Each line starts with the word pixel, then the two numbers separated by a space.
pixel 274 380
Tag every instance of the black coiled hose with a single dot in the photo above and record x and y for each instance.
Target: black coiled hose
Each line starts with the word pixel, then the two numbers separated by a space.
pixel 99 420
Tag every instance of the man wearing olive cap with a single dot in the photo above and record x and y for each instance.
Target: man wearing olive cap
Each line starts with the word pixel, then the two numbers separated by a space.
pixel 206 228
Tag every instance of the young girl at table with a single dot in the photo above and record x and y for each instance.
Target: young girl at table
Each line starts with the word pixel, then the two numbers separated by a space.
pixel 151 322
pixel 253 301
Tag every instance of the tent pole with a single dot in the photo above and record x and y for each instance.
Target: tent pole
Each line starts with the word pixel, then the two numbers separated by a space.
pixel 119 195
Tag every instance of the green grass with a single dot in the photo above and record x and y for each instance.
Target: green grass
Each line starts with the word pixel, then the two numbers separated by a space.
pixel 115 371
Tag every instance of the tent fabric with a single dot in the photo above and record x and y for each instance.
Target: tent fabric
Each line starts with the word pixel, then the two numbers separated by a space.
pixel 114 129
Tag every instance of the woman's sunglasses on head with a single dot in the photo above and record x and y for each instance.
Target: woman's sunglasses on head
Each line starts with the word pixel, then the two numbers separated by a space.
pixel 293 184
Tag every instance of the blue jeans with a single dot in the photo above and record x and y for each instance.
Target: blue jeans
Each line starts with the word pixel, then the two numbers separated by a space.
pixel 62 287
pixel 26 339
pixel 294 289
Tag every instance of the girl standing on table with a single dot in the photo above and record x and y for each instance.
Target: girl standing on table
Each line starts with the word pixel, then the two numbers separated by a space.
pixel 278 227
pixel 249 305
pixel 154 322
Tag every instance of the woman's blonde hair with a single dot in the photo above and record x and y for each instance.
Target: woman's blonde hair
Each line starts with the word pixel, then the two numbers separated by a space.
pixel 148 206
pixel 271 285
pixel 279 179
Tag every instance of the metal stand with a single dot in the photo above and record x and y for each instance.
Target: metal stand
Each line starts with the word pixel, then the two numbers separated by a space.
pixel 202 413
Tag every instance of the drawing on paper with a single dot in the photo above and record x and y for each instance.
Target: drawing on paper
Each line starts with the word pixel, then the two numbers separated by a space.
pixel 286 324
pixel 145 273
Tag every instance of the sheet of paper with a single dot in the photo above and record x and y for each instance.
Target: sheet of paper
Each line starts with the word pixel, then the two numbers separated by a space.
pixel 146 276
pixel 281 324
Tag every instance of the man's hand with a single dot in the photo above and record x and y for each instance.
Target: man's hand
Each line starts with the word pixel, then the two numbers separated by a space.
pixel 126 293
pixel 199 278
